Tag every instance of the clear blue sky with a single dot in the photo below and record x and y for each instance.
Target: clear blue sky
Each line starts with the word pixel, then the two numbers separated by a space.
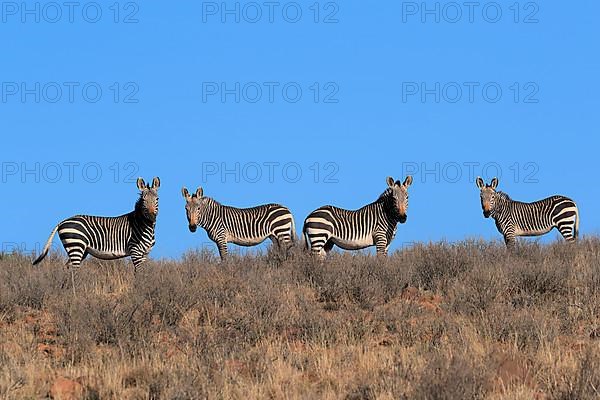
pixel 385 89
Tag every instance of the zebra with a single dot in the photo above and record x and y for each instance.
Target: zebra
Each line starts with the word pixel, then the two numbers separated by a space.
pixel 515 218
pixel 374 224
pixel 110 238
pixel 241 226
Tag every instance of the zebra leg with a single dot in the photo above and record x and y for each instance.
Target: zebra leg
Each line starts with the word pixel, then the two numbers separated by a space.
pixel 567 230
pixel 510 241
pixel 278 246
pixel 283 242
pixel 138 257
pixel 316 249
pixel 222 246
pixel 319 252
pixel 76 255
pixel 276 242
pixel 74 243
pixel 326 249
pixel 320 246
pixel 138 261
pixel 73 267
pixel 381 245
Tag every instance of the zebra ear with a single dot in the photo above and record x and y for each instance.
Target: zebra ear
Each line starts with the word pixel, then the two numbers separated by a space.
pixel 407 181
pixel 494 183
pixel 480 183
pixel 141 184
pixel 185 193
pixel 156 182
pixel 390 181
pixel 199 192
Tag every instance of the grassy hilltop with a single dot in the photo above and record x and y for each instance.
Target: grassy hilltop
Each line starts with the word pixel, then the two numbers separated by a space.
pixel 436 321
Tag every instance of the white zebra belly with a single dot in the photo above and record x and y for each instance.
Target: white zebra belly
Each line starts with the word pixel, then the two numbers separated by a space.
pixel 245 241
pixel 530 232
pixel 356 244
pixel 106 255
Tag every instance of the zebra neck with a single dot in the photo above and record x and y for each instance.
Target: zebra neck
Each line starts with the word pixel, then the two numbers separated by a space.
pixel 502 201
pixel 139 214
pixel 386 203
pixel 142 220
pixel 208 212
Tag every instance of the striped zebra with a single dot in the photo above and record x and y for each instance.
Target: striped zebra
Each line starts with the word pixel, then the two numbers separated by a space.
pixel 241 226
pixel 515 218
pixel 372 225
pixel 109 238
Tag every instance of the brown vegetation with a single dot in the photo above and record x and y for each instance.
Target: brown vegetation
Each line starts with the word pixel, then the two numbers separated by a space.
pixel 437 321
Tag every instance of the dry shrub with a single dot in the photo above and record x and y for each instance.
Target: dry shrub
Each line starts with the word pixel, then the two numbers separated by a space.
pixel 452 377
pixel 524 329
pixel 361 280
pixel 419 324
pixel 437 266
pixel 483 287
pixel 583 382
pixel 533 282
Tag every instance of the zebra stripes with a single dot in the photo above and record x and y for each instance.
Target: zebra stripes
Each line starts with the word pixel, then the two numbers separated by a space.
pixel 241 226
pixel 374 224
pixel 515 218
pixel 109 238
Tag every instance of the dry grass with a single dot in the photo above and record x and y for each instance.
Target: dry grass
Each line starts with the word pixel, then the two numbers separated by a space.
pixel 435 321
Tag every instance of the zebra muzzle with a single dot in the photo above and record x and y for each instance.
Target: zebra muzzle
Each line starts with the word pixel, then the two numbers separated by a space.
pixel 192 228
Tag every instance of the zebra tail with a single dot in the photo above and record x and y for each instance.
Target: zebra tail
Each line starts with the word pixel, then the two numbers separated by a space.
pixel 293 227
pixel 46 247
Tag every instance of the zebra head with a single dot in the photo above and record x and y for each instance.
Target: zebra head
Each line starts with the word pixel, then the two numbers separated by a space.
pixel 193 207
pixel 147 204
pixel 488 195
pixel 399 195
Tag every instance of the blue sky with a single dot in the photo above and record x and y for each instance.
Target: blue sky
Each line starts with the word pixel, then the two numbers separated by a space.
pixel 241 97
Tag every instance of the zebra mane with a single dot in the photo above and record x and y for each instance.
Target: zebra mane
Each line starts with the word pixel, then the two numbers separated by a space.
pixel 503 195
pixel 139 208
pixel 138 203
pixel 207 199
pixel 385 195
